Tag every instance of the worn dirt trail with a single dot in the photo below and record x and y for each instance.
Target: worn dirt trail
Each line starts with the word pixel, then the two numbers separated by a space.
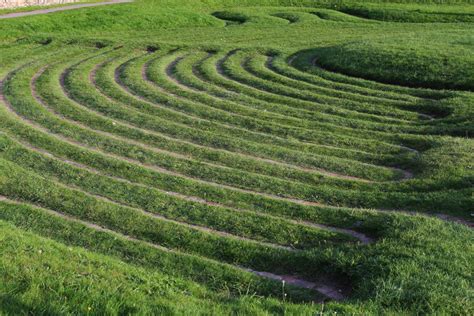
pixel 59 9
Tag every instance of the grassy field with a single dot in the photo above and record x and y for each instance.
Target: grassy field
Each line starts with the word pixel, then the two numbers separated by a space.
pixel 238 157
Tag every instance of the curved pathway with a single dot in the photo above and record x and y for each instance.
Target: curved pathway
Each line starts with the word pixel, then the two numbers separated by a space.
pixel 59 9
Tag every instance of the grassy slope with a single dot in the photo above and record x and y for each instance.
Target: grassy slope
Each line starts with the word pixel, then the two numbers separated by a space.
pixel 415 63
pixel 417 265
pixel 41 276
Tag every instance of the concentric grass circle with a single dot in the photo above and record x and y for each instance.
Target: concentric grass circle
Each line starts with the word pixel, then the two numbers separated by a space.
pixel 230 167
pixel 404 62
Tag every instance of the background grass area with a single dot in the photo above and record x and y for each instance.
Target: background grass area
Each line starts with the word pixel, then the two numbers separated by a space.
pixel 39 7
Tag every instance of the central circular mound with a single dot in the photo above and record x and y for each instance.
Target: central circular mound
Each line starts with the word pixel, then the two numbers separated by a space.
pixel 397 62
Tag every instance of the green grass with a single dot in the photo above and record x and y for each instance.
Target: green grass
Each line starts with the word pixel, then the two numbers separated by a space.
pixel 412 13
pixel 415 63
pixel 151 153
pixel 63 280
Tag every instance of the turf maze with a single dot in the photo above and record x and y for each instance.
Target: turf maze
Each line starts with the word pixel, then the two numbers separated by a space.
pixel 236 167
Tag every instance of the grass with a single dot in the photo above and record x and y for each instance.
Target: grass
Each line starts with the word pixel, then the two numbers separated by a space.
pixel 151 161
pixel 412 13
pixel 72 279
pixel 415 64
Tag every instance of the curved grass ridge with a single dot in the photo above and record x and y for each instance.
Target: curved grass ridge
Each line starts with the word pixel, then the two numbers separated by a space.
pixel 417 65
pixel 132 289
pixel 358 12
pixel 230 168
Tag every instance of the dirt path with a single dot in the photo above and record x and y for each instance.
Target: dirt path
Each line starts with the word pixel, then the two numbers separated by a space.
pixel 59 9
pixel 331 289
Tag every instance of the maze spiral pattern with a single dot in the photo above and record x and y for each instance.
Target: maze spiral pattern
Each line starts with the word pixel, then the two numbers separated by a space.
pixel 237 151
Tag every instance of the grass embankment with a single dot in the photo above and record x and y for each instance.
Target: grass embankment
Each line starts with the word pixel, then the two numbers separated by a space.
pixel 413 63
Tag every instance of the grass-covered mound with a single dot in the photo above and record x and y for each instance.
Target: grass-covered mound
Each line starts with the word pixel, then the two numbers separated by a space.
pixel 405 62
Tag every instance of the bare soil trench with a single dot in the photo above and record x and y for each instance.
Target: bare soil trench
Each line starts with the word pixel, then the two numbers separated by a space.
pixel 330 288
